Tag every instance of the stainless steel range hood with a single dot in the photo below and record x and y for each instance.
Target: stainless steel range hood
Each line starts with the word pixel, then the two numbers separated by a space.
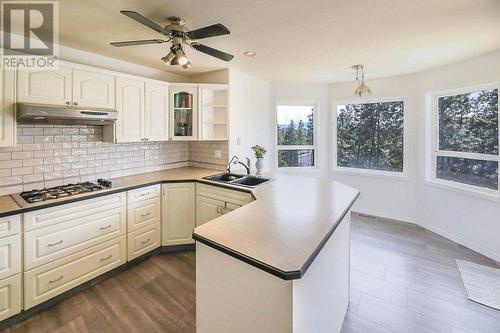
pixel 59 115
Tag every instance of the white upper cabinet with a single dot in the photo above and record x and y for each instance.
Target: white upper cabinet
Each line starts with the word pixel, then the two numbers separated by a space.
pixel 213 112
pixel 156 112
pixel 45 86
pixel 7 113
pixel 92 89
pixel 130 107
pixel 184 112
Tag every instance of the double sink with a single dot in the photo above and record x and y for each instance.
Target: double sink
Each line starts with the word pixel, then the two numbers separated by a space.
pixel 235 179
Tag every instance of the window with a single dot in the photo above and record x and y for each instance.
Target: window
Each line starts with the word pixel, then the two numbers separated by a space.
pixel 296 135
pixel 465 141
pixel 370 136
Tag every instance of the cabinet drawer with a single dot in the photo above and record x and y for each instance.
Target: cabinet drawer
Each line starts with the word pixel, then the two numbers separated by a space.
pixel 233 196
pixel 143 213
pixel 10 256
pixel 47 281
pixel 63 213
pixel 10 225
pixel 54 242
pixel 142 241
pixel 10 296
pixel 143 193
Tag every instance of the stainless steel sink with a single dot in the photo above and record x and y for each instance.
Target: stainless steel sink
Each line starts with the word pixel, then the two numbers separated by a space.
pixel 250 181
pixel 235 179
pixel 223 177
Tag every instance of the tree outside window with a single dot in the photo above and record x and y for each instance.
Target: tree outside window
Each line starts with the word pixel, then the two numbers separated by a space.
pixel 295 135
pixel 370 136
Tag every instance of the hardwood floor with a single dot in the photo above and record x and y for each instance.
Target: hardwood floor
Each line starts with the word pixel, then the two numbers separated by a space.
pixel 403 279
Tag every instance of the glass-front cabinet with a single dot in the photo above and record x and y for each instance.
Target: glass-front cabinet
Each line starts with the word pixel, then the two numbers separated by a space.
pixel 183 112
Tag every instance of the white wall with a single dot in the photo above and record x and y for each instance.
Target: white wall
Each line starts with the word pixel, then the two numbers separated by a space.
pixel 318 93
pixel 470 220
pixel 251 120
pixel 387 197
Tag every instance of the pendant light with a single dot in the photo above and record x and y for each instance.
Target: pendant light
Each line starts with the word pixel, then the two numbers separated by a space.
pixel 362 88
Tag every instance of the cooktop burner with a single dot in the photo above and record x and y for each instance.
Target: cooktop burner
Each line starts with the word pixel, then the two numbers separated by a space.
pixel 63 191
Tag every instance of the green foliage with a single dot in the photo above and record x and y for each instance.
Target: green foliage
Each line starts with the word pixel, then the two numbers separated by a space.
pixel 370 136
pixel 469 123
pixel 295 134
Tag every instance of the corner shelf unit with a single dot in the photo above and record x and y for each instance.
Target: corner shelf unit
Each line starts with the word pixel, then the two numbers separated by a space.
pixel 213 112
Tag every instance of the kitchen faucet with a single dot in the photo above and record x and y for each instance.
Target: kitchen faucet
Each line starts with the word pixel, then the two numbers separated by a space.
pixel 237 161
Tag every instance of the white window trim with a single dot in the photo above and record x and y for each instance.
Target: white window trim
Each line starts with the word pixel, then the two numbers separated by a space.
pixel 433 150
pixel 301 102
pixel 395 175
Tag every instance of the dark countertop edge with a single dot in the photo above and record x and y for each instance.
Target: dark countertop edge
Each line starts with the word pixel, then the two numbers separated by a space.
pixel 49 204
pixel 285 275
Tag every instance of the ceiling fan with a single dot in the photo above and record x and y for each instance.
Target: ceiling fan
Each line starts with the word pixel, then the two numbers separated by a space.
pixel 177 34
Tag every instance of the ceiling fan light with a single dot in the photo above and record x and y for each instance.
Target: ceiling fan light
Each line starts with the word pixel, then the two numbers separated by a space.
pixel 180 57
pixel 186 65
pixel 168 58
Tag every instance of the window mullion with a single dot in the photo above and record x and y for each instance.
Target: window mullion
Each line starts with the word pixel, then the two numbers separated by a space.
pixel 470 156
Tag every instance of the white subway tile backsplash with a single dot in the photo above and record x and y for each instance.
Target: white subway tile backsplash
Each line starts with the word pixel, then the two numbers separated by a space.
pixel 51 155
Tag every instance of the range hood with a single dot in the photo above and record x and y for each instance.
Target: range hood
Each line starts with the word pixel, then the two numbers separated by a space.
pixel 60 115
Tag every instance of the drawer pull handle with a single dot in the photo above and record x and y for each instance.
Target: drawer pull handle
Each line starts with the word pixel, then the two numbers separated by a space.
pixel 106 227
pixel 58 279
pixel 56 243
pixel 146 241
pixel 108 257
pixel 144 215
pixel 143 194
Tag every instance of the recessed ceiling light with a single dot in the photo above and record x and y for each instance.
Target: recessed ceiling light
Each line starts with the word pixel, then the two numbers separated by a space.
pixel 250 54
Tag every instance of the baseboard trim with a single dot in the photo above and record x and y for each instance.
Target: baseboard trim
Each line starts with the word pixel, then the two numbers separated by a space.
pixel 474 247
pixel 441 232
pixel 25 314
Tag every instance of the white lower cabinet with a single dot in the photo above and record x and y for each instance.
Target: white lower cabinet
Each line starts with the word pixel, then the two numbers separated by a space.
pixel 44 245
pixel 10 296
pixel 142 241
pixel 44 282
pixel 214 201
pixel 178 213
pixel 10 255
pixel 143 213
pixel 207 209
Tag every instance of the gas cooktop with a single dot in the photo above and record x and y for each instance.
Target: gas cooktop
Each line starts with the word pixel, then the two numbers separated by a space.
pixel 33 196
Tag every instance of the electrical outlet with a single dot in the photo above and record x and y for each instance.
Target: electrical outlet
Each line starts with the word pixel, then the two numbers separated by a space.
pixel 217 153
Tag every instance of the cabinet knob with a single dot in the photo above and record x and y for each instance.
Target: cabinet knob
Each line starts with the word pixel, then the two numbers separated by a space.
pixel 75 103
pixel 68 103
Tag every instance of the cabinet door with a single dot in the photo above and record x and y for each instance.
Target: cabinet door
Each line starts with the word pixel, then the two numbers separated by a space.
pixel 7 113
pixel 156 112
pixel 178 220
pixel 44 86
pixel 183 113
pixel 10 296
pixel 207 209
pixel 130 107
pixel 92 89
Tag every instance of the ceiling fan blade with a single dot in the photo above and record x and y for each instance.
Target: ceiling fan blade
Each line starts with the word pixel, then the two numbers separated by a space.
pixel 138 42
pixel 210 31
pixel 213 52
pixel 143 20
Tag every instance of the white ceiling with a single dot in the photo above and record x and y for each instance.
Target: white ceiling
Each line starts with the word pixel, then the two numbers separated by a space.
pixel 296 40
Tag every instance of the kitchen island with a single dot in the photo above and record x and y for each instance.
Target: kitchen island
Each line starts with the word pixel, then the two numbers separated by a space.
pixel 278 264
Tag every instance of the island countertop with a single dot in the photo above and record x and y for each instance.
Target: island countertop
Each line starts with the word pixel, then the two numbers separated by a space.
pixel 280 232
pixel 285 228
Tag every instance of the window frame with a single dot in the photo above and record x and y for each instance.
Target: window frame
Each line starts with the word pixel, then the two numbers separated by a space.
pixel 298 102
pixel 434 151
pixel 395 175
